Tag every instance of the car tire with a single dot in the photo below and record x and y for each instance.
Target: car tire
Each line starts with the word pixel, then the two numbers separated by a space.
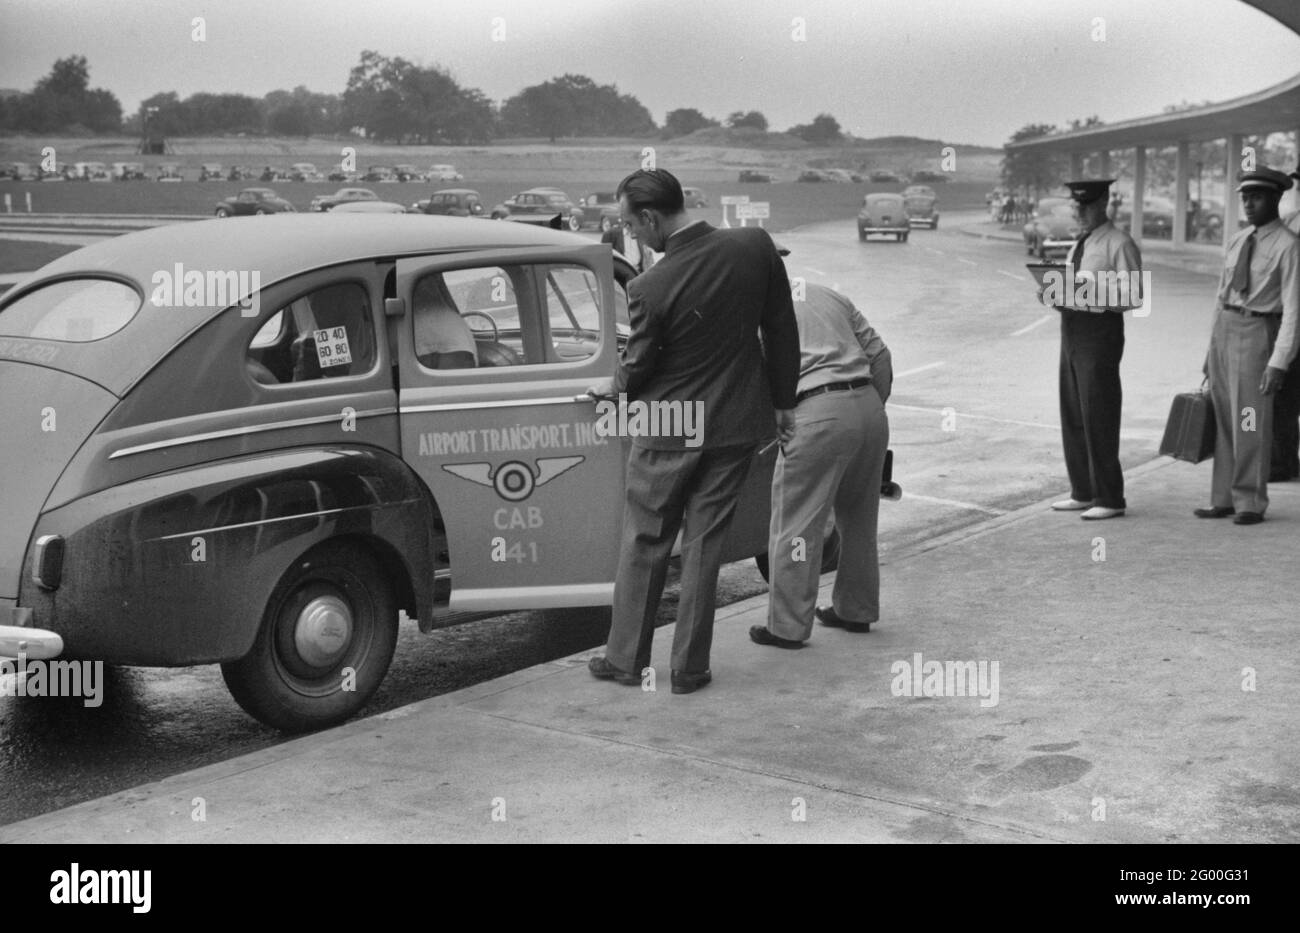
pixel 295 684
pixel 830 556
pixel 575 223
pixel 934 224
pixel 223 212
pixel 862 236
pixel 261 213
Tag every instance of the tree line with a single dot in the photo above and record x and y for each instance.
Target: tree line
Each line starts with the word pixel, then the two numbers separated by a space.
pixel 386 99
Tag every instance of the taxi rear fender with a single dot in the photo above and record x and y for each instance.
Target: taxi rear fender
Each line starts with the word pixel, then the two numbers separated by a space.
pixel 176 569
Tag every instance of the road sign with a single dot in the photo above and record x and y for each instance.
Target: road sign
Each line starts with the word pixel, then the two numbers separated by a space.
pixel 744 211
pixel 760 209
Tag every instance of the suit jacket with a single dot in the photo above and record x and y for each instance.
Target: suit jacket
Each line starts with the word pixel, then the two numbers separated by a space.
pixel 696 317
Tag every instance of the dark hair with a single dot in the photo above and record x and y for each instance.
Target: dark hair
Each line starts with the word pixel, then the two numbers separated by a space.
pixel 652 189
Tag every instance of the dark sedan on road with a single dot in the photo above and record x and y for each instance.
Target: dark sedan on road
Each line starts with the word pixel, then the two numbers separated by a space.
pixel 323 202
pixel 253 201
pixel 1052 229
pixel 536 203
pixel 451 202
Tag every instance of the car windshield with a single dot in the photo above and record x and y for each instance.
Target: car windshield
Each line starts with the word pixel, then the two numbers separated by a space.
pixel 75 310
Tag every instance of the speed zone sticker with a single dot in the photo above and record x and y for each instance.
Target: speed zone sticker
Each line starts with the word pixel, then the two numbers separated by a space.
pixel 332 347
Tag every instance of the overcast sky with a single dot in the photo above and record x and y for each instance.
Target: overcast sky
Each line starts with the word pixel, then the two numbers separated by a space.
pixel 971 71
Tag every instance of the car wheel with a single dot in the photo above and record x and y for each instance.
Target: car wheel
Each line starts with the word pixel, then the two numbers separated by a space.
pixel 606 225
pixel 862 236
pixel 223 212
pixel 830 556
pixel 260 212
pixel 934 224
pixel 325 643
pixel 575 223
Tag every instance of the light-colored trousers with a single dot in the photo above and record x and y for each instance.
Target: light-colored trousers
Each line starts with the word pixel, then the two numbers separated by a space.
pixel 834 465
pixel 1239 351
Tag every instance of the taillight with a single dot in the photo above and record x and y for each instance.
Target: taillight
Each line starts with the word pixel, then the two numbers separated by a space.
pixel 47 562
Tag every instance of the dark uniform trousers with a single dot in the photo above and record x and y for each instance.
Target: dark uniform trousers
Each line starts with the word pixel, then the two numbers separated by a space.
pixel 1286 425
pixel 696 491
pixel 1092 344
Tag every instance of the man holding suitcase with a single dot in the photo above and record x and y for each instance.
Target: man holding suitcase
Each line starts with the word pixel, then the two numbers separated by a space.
pixel 1253 342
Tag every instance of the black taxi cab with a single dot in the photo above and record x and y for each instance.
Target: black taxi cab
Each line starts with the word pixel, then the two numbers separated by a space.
pixel 251 445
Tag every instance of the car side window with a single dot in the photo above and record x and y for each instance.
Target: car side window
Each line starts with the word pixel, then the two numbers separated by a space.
pixel 324 334
pixel 512 315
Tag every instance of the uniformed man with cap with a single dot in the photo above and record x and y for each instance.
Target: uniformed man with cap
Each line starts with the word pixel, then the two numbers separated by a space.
pixel 1286 403
pixel 1253 342
pixel 1092 343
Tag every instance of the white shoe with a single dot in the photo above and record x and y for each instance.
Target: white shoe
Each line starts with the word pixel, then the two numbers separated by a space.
pixel 1070 505
pixel 1099 512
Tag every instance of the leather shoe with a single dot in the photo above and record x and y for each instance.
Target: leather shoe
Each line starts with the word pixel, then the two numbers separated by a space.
pixel 1098 512
pixel 1215 511
pixel 828 617
pixel 1070 505
pixel 602 669
pixel 684 682
pixel 1248 518
pixel 760 635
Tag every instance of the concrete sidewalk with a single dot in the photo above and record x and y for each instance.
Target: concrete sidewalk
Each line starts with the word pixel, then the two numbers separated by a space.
pixel 1121 692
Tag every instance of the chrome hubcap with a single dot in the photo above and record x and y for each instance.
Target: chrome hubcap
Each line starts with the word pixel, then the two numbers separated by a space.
pixel 323 631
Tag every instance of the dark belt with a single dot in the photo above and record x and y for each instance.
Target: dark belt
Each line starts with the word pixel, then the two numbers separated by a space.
pixel 1238 309
pixel 832 387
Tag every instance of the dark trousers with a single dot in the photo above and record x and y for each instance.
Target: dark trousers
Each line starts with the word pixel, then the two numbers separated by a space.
pixel 696 491
pixel 1286 425
pixel 1092 344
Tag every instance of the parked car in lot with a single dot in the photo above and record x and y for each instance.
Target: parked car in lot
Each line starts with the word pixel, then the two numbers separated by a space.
pixel 169 172
pixel 452 202
pixel 380 174
pixel 324 202
pixel 1157 217
pixel 128 171
pixel 813 174
pixel 443 172
pixel 274 173
pixel 601 208
pixel 390 416
pixel 88 171
pixel 19 171
pixel 1052 228
pixel 694 197
pixel 920 203
pixel 239 173
pixel 304 171
pixel 883 177
pixel 538 205
pixel 407 173
pixel 761 177
pixel 933 178
pixel 883 213
pixel 339 175
pixel 210 171
pixel 369 207
pixel 253 201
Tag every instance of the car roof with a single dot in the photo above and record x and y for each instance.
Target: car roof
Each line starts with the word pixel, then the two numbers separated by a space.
pixel 881 196
pixel 456 191
pixel 278 248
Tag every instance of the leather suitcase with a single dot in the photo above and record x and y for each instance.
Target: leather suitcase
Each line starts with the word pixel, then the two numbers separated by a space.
pixel 1189 433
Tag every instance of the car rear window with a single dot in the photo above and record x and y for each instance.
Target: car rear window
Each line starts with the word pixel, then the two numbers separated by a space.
pixel 73 310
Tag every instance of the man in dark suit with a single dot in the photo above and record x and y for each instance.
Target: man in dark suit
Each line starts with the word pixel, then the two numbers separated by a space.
pixel 695 318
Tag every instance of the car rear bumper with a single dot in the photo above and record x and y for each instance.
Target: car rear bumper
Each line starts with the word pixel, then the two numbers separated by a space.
pixel 892 229
pixel 18 638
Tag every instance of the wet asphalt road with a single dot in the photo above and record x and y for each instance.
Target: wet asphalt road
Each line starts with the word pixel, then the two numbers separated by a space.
pixel 974 431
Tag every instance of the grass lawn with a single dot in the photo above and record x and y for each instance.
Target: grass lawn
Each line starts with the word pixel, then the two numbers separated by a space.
pixel 27 256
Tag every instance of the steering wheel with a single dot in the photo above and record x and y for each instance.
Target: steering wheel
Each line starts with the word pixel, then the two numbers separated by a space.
pixel 496 334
